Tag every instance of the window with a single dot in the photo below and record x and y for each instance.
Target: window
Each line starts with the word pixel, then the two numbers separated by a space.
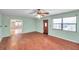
pixel 68 23
pixel 57 23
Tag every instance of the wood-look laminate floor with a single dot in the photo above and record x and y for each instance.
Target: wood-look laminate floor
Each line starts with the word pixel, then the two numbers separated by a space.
pixel 36 41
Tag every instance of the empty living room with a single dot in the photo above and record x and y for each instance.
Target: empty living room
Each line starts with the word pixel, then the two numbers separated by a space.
pixel 39 29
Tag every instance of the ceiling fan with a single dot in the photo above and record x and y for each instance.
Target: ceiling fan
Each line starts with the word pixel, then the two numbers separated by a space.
pixel 40 12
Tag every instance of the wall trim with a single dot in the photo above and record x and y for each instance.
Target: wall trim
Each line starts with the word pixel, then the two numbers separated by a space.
pixel 65 39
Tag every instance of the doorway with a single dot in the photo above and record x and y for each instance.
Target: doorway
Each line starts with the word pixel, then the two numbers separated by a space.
pixel 45 26
pixel 16 26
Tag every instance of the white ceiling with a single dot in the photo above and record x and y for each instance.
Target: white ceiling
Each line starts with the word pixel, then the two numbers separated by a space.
pixel 28 12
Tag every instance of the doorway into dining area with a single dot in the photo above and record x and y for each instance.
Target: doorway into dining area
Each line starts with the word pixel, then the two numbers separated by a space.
pixel 16 26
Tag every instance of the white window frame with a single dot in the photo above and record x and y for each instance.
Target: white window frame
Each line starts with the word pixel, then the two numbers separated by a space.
pixel 62 24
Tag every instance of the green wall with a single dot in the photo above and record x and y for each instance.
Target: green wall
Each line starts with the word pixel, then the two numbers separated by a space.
pixel 5 30
pixel 28 24
pixel 39 25
pixel 72 36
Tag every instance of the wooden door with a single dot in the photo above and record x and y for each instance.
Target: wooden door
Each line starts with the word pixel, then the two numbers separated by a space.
pixel 45 26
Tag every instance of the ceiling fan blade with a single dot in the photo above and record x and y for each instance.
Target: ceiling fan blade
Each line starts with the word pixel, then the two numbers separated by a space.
pixel 33 11
pixel 41 11
pixel 44 13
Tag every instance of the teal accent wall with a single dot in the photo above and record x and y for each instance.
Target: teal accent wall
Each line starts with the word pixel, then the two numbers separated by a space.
pixel 5 30
pixel 39 25
pixel 72 36
pixel 28 24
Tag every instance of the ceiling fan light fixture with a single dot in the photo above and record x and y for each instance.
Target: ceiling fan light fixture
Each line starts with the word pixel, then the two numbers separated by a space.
pixel 39 16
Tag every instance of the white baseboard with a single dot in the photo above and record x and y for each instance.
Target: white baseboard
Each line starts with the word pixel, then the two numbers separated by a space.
pixel 66 39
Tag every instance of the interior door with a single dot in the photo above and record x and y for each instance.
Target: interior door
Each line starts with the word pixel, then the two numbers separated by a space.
pixel 16 27
pixel 45 26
